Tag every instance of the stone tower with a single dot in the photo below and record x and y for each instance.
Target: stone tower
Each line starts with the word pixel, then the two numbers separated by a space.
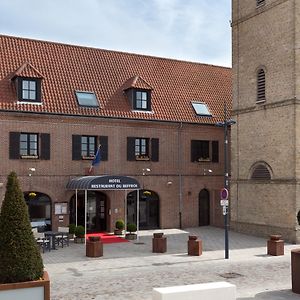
pixel 265 185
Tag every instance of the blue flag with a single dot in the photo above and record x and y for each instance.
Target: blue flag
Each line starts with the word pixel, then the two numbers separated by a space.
pixel 97 159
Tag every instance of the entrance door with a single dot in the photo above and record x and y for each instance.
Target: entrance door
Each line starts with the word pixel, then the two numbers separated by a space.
pixel 204 208
pixel 96 211
pixel 148 210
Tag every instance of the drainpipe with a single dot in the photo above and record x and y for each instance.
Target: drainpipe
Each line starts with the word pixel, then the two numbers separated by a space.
pixel 179 164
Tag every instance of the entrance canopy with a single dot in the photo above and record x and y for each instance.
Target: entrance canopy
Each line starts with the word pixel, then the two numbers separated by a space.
pixel 104 182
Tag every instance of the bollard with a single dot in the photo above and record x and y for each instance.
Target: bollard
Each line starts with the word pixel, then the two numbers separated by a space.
pixel 159 243
pixel 295 261
pixel 275 245
pixel 94 247
pixel 194 246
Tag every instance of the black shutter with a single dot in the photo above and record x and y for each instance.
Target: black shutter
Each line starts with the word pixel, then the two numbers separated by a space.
pixel 130 148
pixel 14 145
pixel 45 146
pixel 154 149
pixel 76 147
pixel 194 151
pixel 215 151
pixel 103 140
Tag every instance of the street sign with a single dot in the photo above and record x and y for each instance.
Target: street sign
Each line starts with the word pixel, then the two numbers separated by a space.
pixel 224 202
pixel 225 210
pixel 224 194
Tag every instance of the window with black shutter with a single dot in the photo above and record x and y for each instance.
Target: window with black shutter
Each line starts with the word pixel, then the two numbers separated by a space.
pixel 261 85
pixel 199 151
pixel 88 146
pixel 29 145
pixel 142 149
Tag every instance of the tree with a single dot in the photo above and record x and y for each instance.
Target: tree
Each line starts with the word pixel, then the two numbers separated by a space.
pixel 20 258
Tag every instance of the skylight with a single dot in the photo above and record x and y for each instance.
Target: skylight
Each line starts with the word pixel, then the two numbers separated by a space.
pixel 87 99
pixel 201 109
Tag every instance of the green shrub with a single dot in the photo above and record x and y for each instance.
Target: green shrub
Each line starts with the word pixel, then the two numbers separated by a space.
pixel 120 224
pixel 72 228
pixel 19 254
pixel 131 227
pixel 79 231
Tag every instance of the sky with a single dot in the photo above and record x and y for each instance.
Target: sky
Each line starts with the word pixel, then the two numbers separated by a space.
pixel 191 30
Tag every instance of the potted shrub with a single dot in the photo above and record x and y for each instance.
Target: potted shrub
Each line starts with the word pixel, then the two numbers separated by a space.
pixel 120 225
pixel 79 234
pixel 131 227
pixel 72 228
pixel 21 267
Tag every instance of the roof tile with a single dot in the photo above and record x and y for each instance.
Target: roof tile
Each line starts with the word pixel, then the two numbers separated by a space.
pixel 67 68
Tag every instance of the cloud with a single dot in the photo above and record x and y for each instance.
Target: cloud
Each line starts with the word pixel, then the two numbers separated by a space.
pixel 189 30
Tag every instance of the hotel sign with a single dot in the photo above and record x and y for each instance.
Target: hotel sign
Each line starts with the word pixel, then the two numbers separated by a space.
pixel 103 182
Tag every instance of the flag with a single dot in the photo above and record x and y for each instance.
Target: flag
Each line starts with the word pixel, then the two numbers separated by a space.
pixel 97 159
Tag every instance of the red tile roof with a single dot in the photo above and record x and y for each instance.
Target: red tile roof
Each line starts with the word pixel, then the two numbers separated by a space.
pixel 68 68
pixel 27 70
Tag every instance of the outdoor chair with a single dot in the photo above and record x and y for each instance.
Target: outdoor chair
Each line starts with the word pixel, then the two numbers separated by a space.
pixel 63 238
pixel 42 242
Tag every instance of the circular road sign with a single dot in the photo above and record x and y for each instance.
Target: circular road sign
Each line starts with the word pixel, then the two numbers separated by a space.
pixel 224 194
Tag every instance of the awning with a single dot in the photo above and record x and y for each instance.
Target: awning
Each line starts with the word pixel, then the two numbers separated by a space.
pixel 104 182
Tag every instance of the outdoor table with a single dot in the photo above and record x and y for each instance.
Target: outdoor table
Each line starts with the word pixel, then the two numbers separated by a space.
pixel 52 235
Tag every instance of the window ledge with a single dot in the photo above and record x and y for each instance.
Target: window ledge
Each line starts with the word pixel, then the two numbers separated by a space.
pixel 29 156
pixel 30 102
pixel 87 157
pixel 260 101
pixel 142 158
pixel 203 159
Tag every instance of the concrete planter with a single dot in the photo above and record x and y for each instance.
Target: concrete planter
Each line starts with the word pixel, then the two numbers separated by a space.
pixel 79 240
pixel 131 236
pixel 29 290
pixel 118 232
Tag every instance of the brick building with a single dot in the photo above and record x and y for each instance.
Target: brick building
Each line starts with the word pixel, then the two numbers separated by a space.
pixel 154 118
pixel 266 93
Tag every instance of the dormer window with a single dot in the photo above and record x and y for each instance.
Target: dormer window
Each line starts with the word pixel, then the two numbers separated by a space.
pixel 138 92
pixel 141 100
pixel 28 82
pixel 29 89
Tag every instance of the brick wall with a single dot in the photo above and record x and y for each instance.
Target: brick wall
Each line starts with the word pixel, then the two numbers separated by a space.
pixel 51 176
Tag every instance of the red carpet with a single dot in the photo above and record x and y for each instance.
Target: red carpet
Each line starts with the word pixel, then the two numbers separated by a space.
pixel 107 238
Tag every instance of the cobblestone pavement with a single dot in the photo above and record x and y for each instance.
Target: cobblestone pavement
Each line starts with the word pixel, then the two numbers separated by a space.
pixel 130 270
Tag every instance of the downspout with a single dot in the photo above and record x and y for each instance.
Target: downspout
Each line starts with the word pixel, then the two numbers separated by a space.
pixel 179 159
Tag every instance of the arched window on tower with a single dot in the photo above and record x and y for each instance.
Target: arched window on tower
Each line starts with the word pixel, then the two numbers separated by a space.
pixel 261 85
pixel 260 171
pixel 260 2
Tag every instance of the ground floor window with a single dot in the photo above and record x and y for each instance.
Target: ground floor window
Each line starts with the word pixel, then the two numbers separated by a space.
pixel 148 207
pixel 96 211
pixel 39 207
